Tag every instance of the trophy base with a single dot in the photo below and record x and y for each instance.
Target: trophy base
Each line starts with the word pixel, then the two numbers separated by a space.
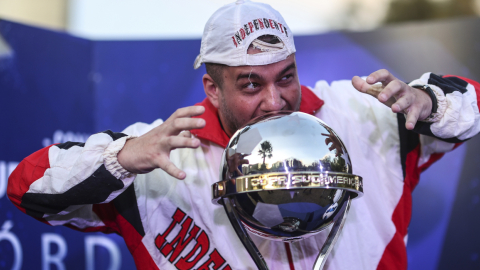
pixel 242 231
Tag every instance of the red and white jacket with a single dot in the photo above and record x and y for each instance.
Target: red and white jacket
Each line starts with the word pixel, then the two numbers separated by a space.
pixel 172 224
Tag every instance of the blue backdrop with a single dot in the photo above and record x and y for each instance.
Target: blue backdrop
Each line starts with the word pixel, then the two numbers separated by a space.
pixel 56 88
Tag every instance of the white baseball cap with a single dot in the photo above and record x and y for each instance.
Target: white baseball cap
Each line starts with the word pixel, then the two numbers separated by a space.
pixel 231 29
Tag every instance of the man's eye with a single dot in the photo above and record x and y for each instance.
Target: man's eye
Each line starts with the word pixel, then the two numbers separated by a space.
pixel 286 77
pixel 251 86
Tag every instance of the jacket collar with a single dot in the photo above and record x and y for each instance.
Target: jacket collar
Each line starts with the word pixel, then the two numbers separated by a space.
pixel 213 131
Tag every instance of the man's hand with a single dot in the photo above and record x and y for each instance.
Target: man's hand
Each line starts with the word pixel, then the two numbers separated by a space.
pixel 397 95
pixel 152 150
pixel 236 160
pixel 335 144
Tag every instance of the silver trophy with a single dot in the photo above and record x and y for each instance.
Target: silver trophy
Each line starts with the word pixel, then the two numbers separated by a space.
pixel 286 176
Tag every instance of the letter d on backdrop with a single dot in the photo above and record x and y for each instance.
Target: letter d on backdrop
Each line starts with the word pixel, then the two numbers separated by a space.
pixel 92 241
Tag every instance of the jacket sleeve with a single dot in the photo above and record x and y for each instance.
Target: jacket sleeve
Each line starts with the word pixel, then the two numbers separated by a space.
pixel 73 183
pixel 457 118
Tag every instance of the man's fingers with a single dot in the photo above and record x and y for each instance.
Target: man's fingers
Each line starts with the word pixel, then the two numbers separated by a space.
pixel 185 134
pixel 158 142
pixel 328 141
pixel 180 124
pixel 188 112
pixel 182 142
pixel 244 161
pixel 239 172
pixel 393 89
pixel 412 117
pixel 395 94
pixel 374 90
pixel 360 84
pixel 382 75
pixel 402 103
pixel 171 169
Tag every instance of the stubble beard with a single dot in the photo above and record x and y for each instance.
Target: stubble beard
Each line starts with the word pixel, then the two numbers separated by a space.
pixel 231 122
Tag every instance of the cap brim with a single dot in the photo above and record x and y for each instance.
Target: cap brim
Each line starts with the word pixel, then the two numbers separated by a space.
pixel 198 62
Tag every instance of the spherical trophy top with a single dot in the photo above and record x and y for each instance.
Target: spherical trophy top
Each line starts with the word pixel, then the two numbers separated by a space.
pixel 288 176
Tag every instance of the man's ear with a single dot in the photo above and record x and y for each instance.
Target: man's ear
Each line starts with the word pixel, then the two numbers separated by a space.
pixel 211 89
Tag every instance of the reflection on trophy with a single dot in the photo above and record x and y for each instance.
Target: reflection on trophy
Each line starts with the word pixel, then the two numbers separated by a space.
pixel 286 176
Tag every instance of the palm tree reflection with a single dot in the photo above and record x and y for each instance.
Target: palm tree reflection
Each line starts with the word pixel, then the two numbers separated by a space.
pixel 265 151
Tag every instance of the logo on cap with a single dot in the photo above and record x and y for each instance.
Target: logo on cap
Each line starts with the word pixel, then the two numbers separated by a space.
pixel 256 25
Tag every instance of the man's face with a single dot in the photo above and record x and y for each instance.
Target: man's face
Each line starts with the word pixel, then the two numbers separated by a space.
pixel 251 91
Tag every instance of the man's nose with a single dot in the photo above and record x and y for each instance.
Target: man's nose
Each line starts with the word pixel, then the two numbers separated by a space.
pixel 272 100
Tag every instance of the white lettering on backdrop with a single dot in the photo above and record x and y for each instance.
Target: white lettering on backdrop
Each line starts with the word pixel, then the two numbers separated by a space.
pixel 6 168
pixel 48 259
pixel 96 240
pixel 7 235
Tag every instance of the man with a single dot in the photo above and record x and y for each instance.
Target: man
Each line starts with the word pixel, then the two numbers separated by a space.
pixel 129 182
